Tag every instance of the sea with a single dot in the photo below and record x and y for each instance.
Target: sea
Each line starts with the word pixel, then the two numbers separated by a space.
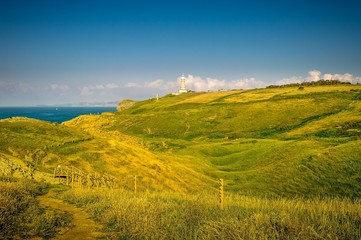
pixel 51 114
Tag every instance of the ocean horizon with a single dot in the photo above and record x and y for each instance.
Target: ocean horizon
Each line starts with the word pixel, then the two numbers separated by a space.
pixel 51 114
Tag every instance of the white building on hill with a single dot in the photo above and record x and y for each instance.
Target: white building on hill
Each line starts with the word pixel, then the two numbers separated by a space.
pixel 182 85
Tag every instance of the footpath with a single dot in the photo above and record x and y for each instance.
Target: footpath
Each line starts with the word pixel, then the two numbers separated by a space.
pixel 84 227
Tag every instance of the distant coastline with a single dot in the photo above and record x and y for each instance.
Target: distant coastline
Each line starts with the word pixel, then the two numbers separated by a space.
pixel 56 114
pixel 82 104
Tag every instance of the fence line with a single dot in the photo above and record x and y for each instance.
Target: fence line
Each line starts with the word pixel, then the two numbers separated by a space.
pixel 76 178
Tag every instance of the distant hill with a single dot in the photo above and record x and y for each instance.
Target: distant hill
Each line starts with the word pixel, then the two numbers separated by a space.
pixel 125 104
pixel 278 141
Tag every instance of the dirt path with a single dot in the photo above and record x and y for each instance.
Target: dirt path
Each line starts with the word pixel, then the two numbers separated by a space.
pixel 84 227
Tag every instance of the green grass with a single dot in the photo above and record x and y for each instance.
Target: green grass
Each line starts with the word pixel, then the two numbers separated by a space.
pixel 180 118
pixel 162 215
pixel 290 161
pixel 319 123
pixel 265 141
pixel 21 135
pixel 276 167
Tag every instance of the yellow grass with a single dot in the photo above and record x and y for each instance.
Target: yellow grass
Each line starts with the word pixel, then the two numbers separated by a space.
pixel 21 217
pixel 162 215
pixel 209 97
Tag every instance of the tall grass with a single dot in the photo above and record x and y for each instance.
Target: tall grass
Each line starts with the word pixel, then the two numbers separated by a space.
pixel 172 216
pixel 21 217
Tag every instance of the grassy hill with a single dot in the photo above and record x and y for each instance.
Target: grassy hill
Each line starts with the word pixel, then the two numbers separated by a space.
pixel 278 141
pixel 43 145
pixel 264 113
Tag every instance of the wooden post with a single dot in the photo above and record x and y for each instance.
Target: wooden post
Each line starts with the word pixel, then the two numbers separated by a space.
pixel 59 172
pixel 81 181
pixel 111 183
pixel 72 179
pixel 221 194
pixel 95 184
pixel 101 181
pixel 135 184
pixel 67 176
pixel 88 183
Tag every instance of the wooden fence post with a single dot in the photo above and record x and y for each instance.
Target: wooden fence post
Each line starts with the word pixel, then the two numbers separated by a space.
pixel 88 181
pixel 59 172
pixel 221 194
pixel 72 179
pixel 67 176
pixel 81 181
pixel 95 180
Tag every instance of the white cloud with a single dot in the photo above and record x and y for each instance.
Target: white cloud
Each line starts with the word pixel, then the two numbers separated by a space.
pixel 86 91
pixel 293 79
pixel 346 77
pixel 246 83
pixel 315 75
pixel 166 86
pixel 60 87
pixel 356 80
pixel 161 84
pixel 14 86
pixel 101 89
pixel 132 85
pixel 197 83
pixel 111 86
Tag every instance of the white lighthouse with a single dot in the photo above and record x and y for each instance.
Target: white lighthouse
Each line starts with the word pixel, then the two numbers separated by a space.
pixel 182 85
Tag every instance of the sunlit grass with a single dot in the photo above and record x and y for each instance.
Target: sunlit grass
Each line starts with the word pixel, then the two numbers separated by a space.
pixel 310 136
pixel 161 215
pixel 21 216
pixel 292 156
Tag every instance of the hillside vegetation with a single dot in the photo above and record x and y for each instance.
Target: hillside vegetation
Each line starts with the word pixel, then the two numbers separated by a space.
pixel 271 141
pixel 44 146
pixel 289 157
pixel 170 216
pixel 274 141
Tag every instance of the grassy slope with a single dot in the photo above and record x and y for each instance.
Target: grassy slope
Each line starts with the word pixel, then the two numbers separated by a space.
pixel 46 145
pixel 274 141
pixel 257 114
pixel 265 141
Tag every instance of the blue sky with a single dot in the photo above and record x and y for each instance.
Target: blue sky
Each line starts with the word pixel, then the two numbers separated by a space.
pixel 55 52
